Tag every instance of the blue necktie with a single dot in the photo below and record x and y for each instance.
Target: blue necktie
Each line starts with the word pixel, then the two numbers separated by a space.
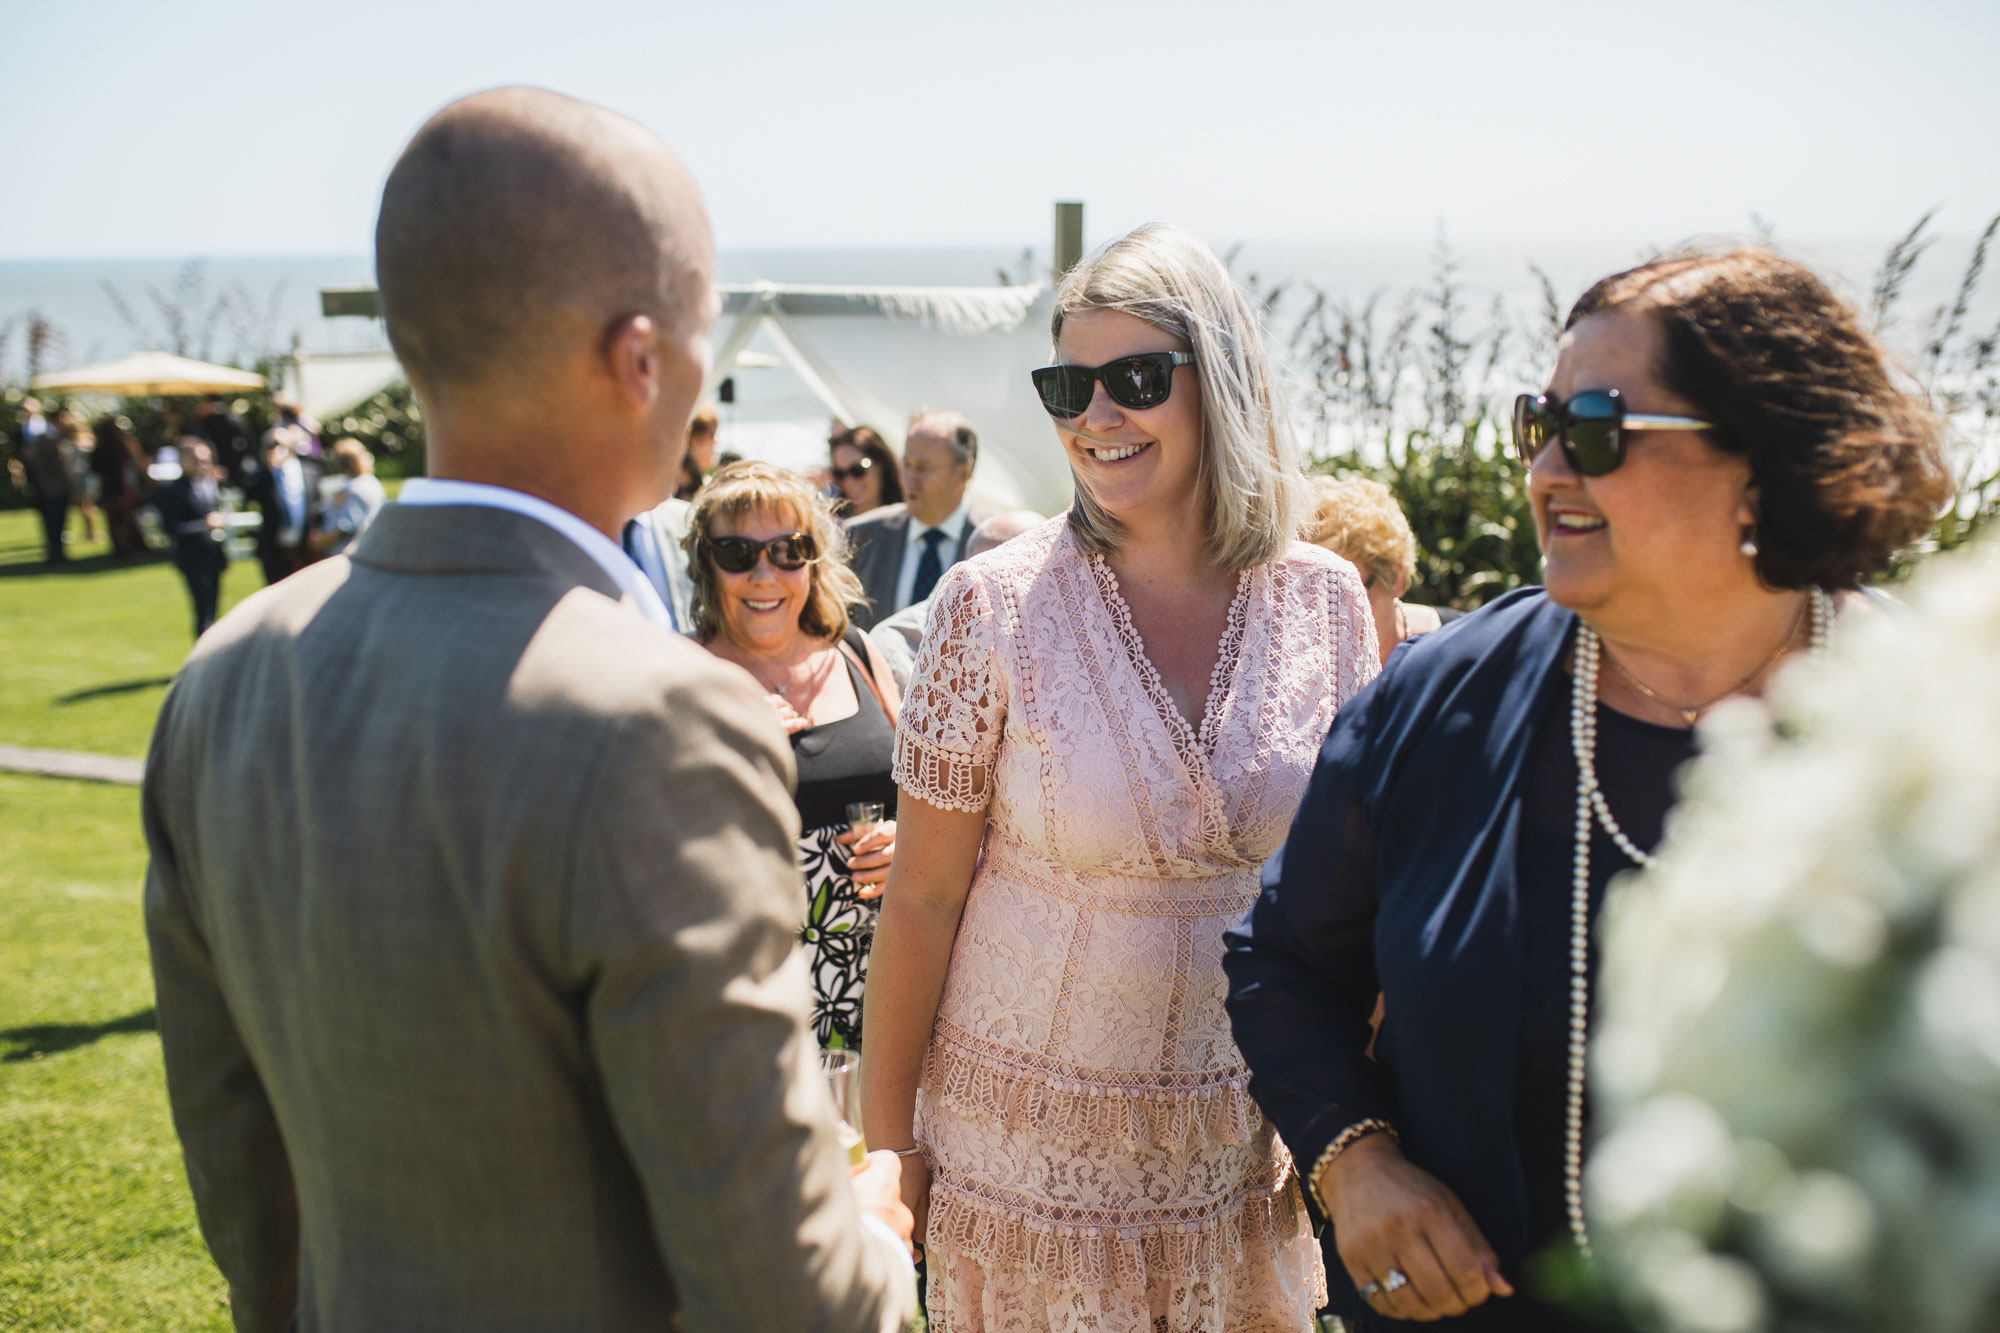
pixel 930 566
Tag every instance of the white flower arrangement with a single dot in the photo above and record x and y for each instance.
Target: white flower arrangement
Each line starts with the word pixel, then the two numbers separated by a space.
pixel 1797 1067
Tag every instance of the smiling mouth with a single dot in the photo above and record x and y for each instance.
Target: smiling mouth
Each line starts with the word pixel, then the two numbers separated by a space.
pixel 763 606
pixel 1116 453
pixel 1575 524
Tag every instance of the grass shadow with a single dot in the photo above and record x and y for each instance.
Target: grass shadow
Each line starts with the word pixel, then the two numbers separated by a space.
pixel 116 687
pixel 91 564
pixel 53 1038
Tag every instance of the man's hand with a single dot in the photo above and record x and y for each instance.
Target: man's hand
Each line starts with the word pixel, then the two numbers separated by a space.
pixel 878 1188
pixel 1391 1217
pixel 788 717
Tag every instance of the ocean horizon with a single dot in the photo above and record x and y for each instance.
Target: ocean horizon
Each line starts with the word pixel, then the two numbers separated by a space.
pixel 244 306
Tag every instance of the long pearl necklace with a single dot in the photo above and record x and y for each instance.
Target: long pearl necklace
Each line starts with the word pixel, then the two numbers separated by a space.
pixel 1592 808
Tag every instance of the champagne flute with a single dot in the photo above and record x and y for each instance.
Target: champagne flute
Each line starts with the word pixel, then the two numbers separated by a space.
pixel 843 1078
pixel 863 816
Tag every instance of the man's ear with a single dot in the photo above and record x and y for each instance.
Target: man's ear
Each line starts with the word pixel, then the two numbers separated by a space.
pixel 632 356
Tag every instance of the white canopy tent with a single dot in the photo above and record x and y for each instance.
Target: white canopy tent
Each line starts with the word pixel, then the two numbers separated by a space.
pixel 150 373
pixel 875 355
pixel 867 355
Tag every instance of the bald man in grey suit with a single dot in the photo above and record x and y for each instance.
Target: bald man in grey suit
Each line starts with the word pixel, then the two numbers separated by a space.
pixel 472 901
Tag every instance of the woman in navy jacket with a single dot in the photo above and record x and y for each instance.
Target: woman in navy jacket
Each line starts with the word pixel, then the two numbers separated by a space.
pixel 1721 456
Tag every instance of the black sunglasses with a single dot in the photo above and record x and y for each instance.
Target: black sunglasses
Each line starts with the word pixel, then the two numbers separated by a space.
pixel 1137 382
pixel 855 473
pixel 739 555
pixel 1590 427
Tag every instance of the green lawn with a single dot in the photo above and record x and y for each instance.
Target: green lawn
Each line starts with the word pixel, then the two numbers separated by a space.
pixel 90 647
pixel 96 1226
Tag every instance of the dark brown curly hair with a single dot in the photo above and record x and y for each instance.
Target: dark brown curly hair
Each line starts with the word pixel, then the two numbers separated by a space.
pixel 1847 464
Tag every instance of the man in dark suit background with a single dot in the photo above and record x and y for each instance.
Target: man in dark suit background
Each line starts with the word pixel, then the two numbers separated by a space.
pixel 228 438
pixel 500 1021
pixel 190 508
pixel 901 550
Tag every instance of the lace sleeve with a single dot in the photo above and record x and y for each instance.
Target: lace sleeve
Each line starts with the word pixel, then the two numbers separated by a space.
pixel 949 729
pixel 1361 653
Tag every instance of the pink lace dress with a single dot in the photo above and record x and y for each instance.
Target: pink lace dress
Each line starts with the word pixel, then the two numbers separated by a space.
pixel 1098 1163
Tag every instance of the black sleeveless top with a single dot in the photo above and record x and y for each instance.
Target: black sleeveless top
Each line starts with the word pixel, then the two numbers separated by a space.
pixel 1637 763
pixel 849 760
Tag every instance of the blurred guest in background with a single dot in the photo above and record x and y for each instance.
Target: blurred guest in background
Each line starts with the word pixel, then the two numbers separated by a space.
pixel 656 542
pixel 286 490
pixel 864 470
pixel 354 506
pixel 901 550
pixel 1720 457
pixel 191 511
pixel 118 466
pixel 79 445
pixel 45 463
pixel 290 414
pixel 1359 520
pixel 770 594
pixel 228 440
pixel 689 481
pixel 899 637
pixel 701 444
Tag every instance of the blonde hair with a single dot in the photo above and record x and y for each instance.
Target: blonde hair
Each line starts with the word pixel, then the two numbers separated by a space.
pixel 744 488
pixel 1359 520
pixel 1252 488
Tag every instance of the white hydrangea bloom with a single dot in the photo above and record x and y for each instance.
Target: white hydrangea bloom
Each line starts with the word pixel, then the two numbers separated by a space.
pixel 1797 1060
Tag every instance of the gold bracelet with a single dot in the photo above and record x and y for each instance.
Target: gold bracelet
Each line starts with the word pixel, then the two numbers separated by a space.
pixel 1342 1141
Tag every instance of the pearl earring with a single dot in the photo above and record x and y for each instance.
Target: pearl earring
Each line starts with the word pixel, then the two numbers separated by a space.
pixel 1748 546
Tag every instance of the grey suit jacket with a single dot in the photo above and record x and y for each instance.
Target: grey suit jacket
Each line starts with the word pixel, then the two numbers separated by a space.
pixel 669 523
pixel 473 913
pixel 875 542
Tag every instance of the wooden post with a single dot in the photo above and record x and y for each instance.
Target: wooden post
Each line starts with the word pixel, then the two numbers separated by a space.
pixel 1069 236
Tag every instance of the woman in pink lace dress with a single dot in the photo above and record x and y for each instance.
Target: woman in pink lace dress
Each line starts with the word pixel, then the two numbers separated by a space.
pixel 1109 727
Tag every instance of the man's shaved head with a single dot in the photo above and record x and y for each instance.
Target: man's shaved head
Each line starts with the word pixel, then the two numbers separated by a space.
pixel 519 225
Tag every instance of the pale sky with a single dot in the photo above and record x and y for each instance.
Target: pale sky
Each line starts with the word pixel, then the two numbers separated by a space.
pixel 213 127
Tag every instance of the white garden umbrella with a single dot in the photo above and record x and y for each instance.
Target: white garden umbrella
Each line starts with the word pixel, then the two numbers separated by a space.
pixel 150 373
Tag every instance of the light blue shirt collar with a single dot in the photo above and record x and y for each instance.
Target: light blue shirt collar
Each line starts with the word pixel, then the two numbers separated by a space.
pixel 607 553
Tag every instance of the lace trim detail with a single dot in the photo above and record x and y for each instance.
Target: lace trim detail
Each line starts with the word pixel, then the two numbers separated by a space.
pixel 940 777
pixel 1188 742
pixel 1125 895
pixel 1092 1249
pixel 1072 1104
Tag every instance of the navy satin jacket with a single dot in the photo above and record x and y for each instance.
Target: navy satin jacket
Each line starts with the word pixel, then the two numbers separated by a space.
pixel 1399 875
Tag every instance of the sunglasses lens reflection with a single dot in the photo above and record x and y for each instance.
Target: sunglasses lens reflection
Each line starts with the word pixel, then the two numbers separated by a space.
pixel 1065 390
pixel 1596 443
pixel 1139 382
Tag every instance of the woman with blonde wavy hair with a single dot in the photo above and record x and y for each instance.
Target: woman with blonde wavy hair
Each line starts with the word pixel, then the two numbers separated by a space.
pixel 1108 727
pixel 771 591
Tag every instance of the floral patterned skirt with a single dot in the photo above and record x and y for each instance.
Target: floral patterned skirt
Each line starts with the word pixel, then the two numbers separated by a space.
pixel 840 927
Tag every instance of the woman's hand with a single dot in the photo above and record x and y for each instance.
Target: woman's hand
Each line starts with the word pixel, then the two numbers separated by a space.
pixel 868 857
pixel 1392 1217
